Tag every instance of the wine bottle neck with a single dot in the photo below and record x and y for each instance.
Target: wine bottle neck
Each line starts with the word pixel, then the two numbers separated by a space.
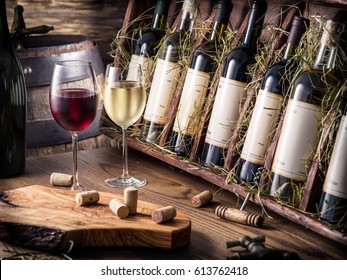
pixel 158 22
pixel 289 52
pixel 160 14
pixel 299 27
pixel 326 56
pixel 217 31
pixel 221 19
pixel 255 24
pixel 189 12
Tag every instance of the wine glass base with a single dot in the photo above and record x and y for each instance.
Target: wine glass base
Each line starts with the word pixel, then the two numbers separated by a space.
pixel 121 182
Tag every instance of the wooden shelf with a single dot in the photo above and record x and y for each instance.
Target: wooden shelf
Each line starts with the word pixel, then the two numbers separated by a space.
pixel 218 179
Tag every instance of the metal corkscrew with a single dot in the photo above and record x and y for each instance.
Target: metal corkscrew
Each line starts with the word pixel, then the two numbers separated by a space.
pixel 257 251
pixel 19 29
pixel 256 178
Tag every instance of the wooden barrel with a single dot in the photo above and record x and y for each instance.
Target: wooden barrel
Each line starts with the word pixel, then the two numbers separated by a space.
pixel 38 57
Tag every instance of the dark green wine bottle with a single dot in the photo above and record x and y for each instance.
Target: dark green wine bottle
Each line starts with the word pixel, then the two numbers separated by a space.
pixel 300 130
pixel 148 44
pixel 231 86
pixel 333 203
pixel 267 108
pixel 197 82
pixel 12 104
pixel 166 75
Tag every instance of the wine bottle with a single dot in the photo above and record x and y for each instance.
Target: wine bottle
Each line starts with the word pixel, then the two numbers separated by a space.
pixel 147 44
pixel 166 74
pixel 333 202
pixel 199 75
pixel 12 104
pixel 300 130
pixel 267 108
pixel 230 92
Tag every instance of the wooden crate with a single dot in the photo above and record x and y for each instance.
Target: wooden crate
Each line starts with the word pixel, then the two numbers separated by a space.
pixel 329 9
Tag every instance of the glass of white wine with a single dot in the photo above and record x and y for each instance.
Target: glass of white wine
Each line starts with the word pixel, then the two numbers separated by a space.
pixel 124 101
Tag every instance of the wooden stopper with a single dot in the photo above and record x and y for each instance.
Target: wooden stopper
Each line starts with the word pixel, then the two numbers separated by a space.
pixel 119 208
pixel 61 179
pixel 163 214
pixel 202 198
pixel 130 199
pixel 87 197
pixel 238 216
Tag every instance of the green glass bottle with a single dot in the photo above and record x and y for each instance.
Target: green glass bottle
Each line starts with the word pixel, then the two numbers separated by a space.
pixel 12 104
pixel 166 74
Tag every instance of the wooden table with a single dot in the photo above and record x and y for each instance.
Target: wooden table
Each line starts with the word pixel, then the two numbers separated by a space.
pixel 167 186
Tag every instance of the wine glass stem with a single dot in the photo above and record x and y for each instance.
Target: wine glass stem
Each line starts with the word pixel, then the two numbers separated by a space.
pixel 74 137
pixel 125 154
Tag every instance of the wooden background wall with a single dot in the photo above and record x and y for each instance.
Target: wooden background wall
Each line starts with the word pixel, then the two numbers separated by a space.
pixel 99 20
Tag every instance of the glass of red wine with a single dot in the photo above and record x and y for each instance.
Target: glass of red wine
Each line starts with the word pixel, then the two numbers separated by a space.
pixel 73 100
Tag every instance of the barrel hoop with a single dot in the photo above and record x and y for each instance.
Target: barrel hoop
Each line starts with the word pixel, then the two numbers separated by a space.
pixel 39 70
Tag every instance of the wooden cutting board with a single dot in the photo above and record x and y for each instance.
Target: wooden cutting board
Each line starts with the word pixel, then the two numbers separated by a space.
pixel 49 219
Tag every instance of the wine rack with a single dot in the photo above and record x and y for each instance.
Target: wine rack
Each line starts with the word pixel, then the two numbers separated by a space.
pixel 238 20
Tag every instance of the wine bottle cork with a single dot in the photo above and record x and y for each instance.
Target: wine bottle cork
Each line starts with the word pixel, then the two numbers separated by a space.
pixel 61 179
pixel 87 197
pixel 119 208
pixel 202 198
pixel 130 199
pixel 238 216
pixel 163 214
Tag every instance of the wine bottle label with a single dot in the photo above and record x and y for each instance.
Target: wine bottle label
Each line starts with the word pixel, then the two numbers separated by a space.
pixel 146 64
pixel 336 179
pixel 193 95
pixel 263 123
pixel 163 85
pixel 298 140
pixel 225 113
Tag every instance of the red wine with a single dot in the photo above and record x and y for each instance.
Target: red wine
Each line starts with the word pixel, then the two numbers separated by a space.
pixel 74 109
pixel 232 83
pixel 333 203
pixel 267 108
pixel 300 130
pixel 12 104
pixel 197 82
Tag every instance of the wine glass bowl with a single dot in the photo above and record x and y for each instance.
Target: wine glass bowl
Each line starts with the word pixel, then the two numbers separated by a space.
pixel 73 100
pixel 124 97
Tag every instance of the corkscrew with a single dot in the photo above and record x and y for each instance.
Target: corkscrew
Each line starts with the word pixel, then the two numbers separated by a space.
pixel 256 178
pixel 257 251
pixel 19 29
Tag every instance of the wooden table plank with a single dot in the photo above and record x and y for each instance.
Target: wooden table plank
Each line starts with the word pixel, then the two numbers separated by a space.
pixel 167 186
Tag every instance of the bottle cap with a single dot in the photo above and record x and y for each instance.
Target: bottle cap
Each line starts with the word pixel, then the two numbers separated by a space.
pixel 162 7
pixel 223 10
pixel 299 27
pixel 332 33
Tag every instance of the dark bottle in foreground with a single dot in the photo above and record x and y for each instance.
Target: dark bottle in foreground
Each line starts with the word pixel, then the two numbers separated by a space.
pixel 333 203
pixel 148 44
pixel 300 131
pixel 197 82
pixel 166 73
pixel 12 104
pixel 230 92
pixel 267 108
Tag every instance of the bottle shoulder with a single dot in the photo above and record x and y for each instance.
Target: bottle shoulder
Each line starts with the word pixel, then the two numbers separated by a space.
pixel 274 79
pixel 236 64
pixel 148 42
pixel 309 88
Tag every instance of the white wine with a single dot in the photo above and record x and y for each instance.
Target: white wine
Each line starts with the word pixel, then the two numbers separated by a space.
pixel 124 102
